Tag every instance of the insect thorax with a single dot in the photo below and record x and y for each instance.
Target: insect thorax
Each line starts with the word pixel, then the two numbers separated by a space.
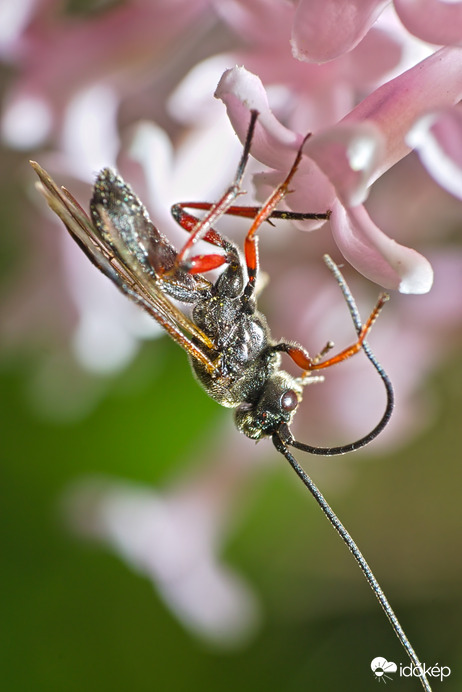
pixel 248 376
pixel 243 341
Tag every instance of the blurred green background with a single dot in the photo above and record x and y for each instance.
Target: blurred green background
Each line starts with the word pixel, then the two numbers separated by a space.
pixel 74 617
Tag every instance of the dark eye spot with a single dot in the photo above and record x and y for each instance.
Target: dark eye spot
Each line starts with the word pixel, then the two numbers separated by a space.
pixel 289 400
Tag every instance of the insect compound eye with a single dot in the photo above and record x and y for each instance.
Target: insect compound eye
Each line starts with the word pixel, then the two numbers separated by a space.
pixel 289 400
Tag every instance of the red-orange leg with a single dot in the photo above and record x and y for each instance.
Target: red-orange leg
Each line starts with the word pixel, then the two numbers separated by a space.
pixel 308 364
pixel 248 212
pixel 216 211
pixel 202 263
pixel 203 229
pixel 250 244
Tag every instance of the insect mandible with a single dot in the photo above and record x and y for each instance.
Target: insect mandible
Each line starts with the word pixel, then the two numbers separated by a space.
pixel 227 339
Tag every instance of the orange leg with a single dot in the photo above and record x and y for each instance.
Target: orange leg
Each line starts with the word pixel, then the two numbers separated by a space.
pixel 202 229
pixel 202 263
pixel 264 214
pixel 308 364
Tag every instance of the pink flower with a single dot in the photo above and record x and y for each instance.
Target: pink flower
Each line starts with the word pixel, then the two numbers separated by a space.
pixel 435 21
pixel 325 29
pixel 345 159
pixel 173 537
pixel 58 56
pixel 314 37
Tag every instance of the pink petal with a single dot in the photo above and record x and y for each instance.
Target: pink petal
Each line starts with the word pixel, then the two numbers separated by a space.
pixel 256 22
pixel 348 154
pixel 377 55
pixel 437 137
pixel 324 29
pixel 60 55
pixel 311 191
pixel 377 256
pixel 394 107
pixel 435 21
pixel 171 538
pixel 273 144
pixel 241 91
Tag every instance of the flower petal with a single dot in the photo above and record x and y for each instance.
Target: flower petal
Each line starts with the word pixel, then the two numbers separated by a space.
pixel 394 107
pixel 377 256
pixel 435 21
pixel 172 540
pixel 273 144
pixel 325 29
pixel 375 58
pixel 437 137
pixel 312 191
pixel 241 91
pixel 348 154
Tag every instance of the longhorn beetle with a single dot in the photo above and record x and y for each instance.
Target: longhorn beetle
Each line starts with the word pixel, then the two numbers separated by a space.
pixel 227 339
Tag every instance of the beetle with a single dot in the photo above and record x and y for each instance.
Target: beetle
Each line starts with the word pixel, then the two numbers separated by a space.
pixel 228 341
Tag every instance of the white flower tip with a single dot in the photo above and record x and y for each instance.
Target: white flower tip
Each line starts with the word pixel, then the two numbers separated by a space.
pixel 375 255
pixel 228 80
pixel 238 84
pixel 417 280
pixel 362 153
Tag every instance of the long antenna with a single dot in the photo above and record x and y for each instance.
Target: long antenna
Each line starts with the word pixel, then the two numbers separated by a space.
pixel 363 441
pixel 283 437
pixel 358 556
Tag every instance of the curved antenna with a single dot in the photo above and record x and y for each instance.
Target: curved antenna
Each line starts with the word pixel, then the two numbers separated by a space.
pixel 363 441
pixel 358 556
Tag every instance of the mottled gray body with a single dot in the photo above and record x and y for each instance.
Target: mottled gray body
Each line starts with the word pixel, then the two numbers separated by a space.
pixel 245 373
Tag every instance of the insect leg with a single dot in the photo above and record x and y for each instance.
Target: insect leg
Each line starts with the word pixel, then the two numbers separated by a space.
pixel 202 263
pixel 284 432
pixel 304 361
pixel 203 228
pixel 263 214
pixel 246 212
pixel 217 210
